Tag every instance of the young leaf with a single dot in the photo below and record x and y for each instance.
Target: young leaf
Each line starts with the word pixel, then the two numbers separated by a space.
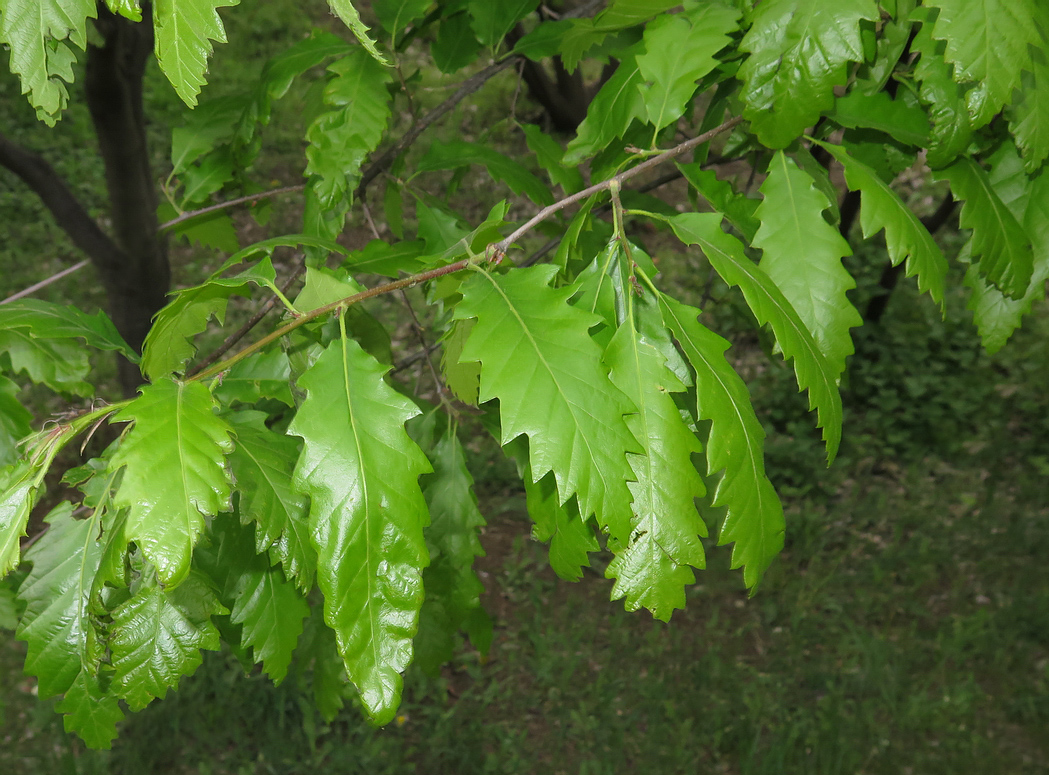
pixel 90 711
pixel 652 570
pixel 754 518
pixel 802 256
pixel 157 636
pixel 799 51
pixel 538 359
pixel 367 515
pixel 905 236
pixel 1029 115
pixel 987 41
pixel 769 306
pixel 262 462
pixel 952 129
pixel 175 472
pixel 18 490
pixel 999 242
pixel 678 52
pixel 184 31
pixel 39 34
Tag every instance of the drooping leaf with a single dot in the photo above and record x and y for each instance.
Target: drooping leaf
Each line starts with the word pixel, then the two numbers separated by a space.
pixel 679 50
pixel 351 18
pixel 538 359
pixel 491 21
pixel 1029 115
pixel 157 635
pixel 723 197
pixel 609 115
pixel 39 34
pixel 268 608
pixel 168 346
pixel 987 42
pixel 396 15
pixel 367 515
pixel 14 422
pixel 340 139
pixel 799 51
pixel 802 256
pixel 184 31
pixel 770 307
pixel 47 320
pixel 456 153
pixel 653 569
pixel 999 243
pixel 90 711
pixel 735 446
pixel 952 129
pixel 60 364
pixel 456 45
pixel 175 472
pixel 905 236
pixel 1027 198
pixel 262 462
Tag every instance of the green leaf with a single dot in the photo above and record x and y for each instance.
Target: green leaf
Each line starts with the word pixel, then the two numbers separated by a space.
pixel 8 610
pixel 652 570
pixel 90 711
pixel 491 21
pixel 463 379
pixel 802 256
pixel 341 139
pixel 367 515
pixel 168 345
pixel 175 472
pixel 799 51
pixel 951 128
pixel 1029 114
pixel 550 156
pixel 903 121
pixel 344 10
pixel 262 375
pixel 129 9
pixel 157 635
pixel 15 422
pixel 609 115
pixel 262 461
pixel 456 153
pixel 999 242
pixel 269 609
pixel 184 31
pixel 678 52
pixel 46 320
pixel 1027 198
pixel 571 537
pixel 905 236
pixel 379 257
pixel 18 493
pixel 456 45
pixel 627 13
pixel 723 197
pixel 987 42
pixel 769 306
pixel 754 518
pixel 396 15
pixel 39 34
pixel 61 365
pixel 538 359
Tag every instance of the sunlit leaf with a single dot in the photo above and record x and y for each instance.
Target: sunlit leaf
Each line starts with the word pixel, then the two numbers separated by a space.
pixel 184 32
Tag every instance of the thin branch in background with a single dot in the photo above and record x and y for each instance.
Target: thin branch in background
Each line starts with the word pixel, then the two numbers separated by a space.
pixel 241 332
pixel 228 204
pixel 44 283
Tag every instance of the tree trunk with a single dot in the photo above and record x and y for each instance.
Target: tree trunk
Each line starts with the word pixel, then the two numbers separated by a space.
pixel 113 86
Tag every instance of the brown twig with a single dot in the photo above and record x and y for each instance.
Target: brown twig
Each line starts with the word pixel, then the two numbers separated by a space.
pixel 228 204
pixel 44 283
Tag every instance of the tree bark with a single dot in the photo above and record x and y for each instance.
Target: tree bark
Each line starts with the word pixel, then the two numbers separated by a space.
pixel 113 86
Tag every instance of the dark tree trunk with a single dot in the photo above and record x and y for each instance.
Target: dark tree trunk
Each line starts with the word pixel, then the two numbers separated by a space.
pixel 113 86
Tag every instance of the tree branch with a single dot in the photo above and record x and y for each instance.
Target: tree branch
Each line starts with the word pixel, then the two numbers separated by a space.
pixel 68 212
pixel 228 204
pixel 44 283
